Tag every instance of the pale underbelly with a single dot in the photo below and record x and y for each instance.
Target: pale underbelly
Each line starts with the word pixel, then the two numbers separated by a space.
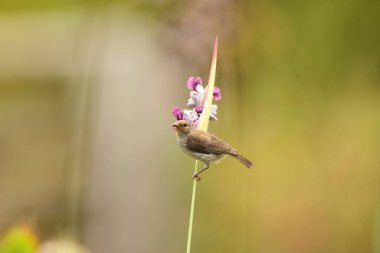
pixel 207 158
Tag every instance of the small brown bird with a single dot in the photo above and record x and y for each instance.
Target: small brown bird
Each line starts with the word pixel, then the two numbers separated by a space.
pixel 204 146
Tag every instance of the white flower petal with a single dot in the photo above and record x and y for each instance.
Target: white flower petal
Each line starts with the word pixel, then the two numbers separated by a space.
pixel 190 103
pixel 200 89
pixel 186 114
pixel 213 109
pixel 195 97
pixel 213 117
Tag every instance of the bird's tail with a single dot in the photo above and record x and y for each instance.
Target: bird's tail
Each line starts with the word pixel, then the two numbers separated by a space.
pixel 243 160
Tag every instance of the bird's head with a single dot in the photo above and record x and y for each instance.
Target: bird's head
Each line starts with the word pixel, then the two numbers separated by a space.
pixel 181 127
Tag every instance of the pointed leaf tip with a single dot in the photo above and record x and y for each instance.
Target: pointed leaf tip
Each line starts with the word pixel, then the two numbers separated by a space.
pixel 203 124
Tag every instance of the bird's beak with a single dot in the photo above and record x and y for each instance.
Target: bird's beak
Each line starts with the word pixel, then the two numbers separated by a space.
pixel 173 125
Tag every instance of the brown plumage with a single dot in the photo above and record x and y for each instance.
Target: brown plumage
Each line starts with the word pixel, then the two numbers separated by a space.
pixel 204 146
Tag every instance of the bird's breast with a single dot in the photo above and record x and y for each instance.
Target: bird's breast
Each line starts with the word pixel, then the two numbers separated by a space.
pixel 181 140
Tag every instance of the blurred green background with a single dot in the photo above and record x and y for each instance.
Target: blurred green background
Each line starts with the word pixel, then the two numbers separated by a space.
pixel 86 91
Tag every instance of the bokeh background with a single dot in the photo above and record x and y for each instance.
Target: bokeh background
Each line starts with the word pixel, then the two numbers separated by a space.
pixel 87 158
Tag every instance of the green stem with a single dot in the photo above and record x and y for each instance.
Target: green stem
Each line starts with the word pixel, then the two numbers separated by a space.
pixel 203 124
pixel 190 232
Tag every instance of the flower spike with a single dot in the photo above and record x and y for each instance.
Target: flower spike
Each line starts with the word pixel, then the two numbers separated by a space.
pixel 196 103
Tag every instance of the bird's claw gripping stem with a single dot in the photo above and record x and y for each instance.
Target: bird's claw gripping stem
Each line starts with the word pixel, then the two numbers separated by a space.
pixel 196 177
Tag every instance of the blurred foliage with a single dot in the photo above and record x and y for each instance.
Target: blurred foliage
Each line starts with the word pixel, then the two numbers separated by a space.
pixel 19 239
pixel 157 8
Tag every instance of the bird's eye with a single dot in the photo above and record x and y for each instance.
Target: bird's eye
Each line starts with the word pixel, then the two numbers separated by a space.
pixel 184 125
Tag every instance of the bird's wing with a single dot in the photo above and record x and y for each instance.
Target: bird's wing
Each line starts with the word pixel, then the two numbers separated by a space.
pixel 202 142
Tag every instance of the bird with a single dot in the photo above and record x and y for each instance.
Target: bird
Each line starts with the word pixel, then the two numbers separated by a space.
pixel 203 146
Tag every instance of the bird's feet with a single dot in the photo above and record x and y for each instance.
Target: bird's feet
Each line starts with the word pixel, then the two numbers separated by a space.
pixel 196 177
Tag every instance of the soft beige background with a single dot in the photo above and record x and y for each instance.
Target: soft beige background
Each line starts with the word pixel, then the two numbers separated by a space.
pixel 86 91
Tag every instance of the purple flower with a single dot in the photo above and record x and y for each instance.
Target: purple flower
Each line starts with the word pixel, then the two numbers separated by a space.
pixel 216 94
pixel 177 112
pixel 196 103
pixel 193 82
pixel 199 108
